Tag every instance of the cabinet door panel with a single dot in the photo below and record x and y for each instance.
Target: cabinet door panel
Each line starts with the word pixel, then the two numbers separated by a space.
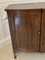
pixel 33 32
pixel 43 32
pixel 21 29
pixel 27 25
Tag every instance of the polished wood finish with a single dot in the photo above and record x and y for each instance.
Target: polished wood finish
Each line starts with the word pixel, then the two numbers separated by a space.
pixel 43 32
pixel 27 28
pixel 12 32
pixel 27 24
pixel 24 28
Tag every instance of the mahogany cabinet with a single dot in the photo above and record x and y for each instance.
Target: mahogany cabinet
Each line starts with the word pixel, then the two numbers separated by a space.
pixel 27 28
pixel 43 32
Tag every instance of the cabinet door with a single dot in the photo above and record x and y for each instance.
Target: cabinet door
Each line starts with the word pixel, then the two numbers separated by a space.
pixel 43 32
pixel 27 23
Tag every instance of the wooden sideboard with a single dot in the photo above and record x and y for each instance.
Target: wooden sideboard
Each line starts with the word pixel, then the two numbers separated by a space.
pixel 27 28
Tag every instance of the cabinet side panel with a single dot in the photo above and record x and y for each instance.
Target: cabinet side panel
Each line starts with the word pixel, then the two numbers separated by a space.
pixel 12 30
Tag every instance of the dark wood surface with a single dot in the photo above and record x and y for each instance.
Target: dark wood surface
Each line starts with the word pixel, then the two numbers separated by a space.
pixel 27 24
pixel 43 32
pixel 12 31
pixel 27 29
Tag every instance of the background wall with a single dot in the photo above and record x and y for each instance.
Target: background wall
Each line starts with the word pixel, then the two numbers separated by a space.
pixel 4 27
pixel 28 1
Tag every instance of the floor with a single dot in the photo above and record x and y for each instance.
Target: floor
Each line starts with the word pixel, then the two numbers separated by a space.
pixel 6 53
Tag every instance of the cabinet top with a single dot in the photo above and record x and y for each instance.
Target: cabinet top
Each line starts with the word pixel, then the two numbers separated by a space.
pixel 40 5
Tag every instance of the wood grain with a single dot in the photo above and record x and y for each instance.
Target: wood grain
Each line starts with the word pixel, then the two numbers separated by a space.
pixel 43 32
pixel 27 24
